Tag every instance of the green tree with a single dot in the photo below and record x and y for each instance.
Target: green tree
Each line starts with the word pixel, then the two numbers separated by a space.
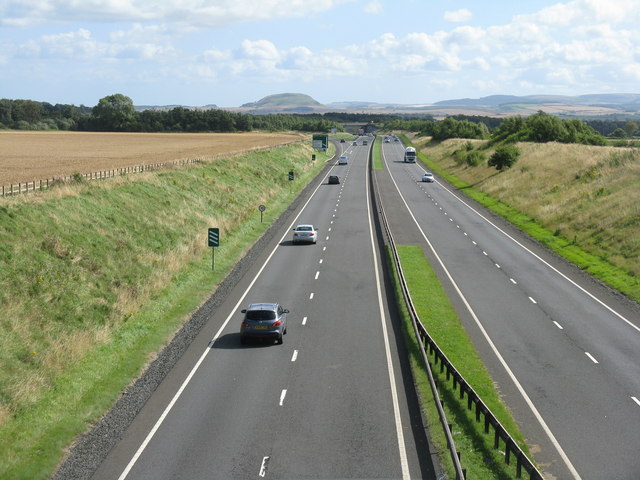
pixel 631 128
pixel 504 157
pixel 114 113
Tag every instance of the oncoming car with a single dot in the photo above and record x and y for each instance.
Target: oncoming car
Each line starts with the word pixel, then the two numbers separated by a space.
pixel 428 177
pixel 265 321
pixel 305 233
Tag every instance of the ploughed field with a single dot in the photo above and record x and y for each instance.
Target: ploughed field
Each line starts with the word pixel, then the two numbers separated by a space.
pixel 27 156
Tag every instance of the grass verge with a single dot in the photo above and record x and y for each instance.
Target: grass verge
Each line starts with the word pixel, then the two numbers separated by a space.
pixel 377 154
pixel 99 276
pixel 439 317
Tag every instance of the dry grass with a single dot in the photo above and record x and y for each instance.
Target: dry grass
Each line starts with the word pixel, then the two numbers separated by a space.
pixel 577 191
pixel 27 156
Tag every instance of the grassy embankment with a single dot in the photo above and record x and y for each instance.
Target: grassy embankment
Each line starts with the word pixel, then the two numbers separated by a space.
pixel 96 277
pixel 581 201
pixel 438 316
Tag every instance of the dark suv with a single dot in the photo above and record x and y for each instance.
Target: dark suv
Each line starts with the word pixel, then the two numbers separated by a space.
pixel 264 320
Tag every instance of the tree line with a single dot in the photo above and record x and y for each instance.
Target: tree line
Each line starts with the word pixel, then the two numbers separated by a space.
pixel 116 113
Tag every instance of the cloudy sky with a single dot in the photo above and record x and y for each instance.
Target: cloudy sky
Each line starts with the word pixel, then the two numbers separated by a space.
pixel 230 52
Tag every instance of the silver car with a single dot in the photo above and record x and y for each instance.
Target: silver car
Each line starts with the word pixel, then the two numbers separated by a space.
pixel 305 234
pixel 428 177
pixel 264 321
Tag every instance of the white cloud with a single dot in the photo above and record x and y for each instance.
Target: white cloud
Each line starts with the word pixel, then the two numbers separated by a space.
pixel 458 16
pixel 374 7
pixel 22 13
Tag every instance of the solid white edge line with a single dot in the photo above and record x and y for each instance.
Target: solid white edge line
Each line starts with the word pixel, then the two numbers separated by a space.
pixel 166 411
pixel 404 463
pixel 520 388
pixel 593 297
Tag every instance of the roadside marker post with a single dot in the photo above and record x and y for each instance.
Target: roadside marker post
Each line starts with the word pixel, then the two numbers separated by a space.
pixel 213 241
pixel 262 208
pixel 292 176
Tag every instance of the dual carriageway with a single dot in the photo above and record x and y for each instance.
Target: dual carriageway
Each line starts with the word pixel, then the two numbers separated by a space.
pixel 336 399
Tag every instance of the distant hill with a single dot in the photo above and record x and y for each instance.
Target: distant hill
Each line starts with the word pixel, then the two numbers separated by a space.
pixel 623 101
pixel 284 101
pixel 166 108
pixel 614 105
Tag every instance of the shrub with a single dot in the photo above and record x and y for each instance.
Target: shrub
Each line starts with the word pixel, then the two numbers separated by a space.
pixel 504 157
pixel 475 158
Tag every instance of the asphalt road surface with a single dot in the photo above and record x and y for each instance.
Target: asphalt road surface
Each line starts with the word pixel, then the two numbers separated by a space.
pixel 563 349
pixel 334 401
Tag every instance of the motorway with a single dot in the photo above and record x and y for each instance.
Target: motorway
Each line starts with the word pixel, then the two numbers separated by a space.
pixel 563 350
pixel 334 401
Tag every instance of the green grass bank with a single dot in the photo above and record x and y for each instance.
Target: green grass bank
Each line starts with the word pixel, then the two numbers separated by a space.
pixel 97 277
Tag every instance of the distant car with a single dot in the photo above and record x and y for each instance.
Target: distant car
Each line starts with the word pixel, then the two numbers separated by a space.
pixel 334 180
pixel 364 142
pixel 355 144
pixel 264 320
pixel 428 177
pixel 386 140
pixel 342 140
pixel 343 160
pixel 305 234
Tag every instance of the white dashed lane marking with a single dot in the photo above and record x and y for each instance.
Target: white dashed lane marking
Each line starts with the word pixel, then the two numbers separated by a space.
pixel 591 357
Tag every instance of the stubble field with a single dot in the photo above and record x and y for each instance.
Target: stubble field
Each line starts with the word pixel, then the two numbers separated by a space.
pixel 27 156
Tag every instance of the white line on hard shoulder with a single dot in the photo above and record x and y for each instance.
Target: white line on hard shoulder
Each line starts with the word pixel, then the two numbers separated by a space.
pixel 532 300
pixel 539 258
pixel 282 395
pixel 304 321
pixel 558 325
pixel 295 356
pixel 591 357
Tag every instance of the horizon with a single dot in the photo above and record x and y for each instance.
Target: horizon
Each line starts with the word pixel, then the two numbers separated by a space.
pixel 408 52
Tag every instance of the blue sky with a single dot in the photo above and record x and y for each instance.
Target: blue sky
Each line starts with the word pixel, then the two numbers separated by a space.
pixel 230 52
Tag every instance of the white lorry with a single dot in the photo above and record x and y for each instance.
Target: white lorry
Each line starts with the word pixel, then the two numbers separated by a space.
pixel 410 155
